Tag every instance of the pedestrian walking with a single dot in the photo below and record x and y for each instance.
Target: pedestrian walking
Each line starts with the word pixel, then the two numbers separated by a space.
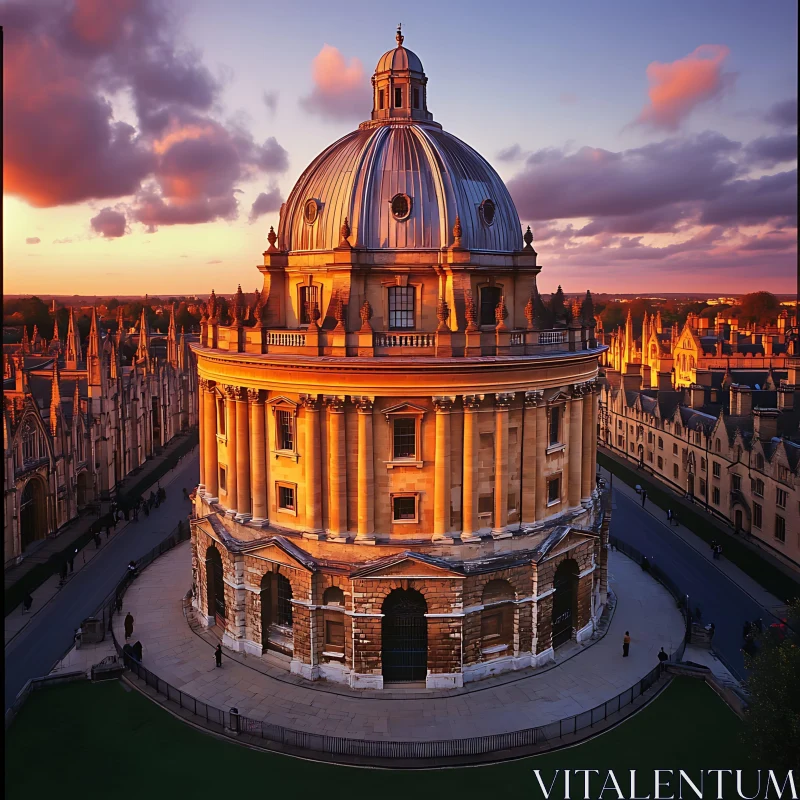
pixel 644 496
pixel 218 655
pixel 63 573
pixel 96 538
pixel 719 551
pixel 108 532
pixel 162 494
pixel 675 520
pixel 662 656
pixel 118 603
pixel 669 516
pixel 626 644
pixel 137 651
pixel 147 510
pixel 128 626
pixel 27 602
pixel 185 494
pixel 72 560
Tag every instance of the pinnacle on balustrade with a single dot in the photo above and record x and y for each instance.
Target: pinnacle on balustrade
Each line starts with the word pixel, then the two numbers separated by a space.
pixel 470 312
pixel 272 237
pixel 457 232
pixel 528 239
pixel 501 312
pixel 345 233
pixel 366 315
pixel 339 313
pixel 442 313
pixel 530 311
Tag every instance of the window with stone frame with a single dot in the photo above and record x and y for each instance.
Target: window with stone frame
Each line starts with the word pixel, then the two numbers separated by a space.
pixel 405 507
pixel 780 528
pixel 758 487
pixel 381 98
pixel 309 298
pixel 736 483
pixel 401 308
pixel 716 469
pixel 660 463
pixel 486 504
pixel 220 416
pixel 554 490
pixel 702 465
pixel 398 97
pixel 223 477
pixel 555 425
pixel 675 471
pixel 490 299
pixel 759 461
pixel 757 515
pixel 284 429
pixel 333 621
pixel 781 496
pixel 660 443
pixel 404 438
pixel 674 449
pixel 31 442
pixel 497 618
pixel 702 488
pixel 287 497
pixel 715 495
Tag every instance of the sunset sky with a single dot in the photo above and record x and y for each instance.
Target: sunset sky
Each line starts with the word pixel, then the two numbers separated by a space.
pixel 148 145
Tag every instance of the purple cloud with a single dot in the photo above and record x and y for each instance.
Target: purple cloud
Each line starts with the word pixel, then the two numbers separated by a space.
pixel 109 223
pixel 783 114
pixel 768 151
pixel 341 90
pixel 270 101
pixel 266 203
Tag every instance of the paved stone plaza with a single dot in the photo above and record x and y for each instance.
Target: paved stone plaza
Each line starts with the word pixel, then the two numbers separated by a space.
pixel 594 674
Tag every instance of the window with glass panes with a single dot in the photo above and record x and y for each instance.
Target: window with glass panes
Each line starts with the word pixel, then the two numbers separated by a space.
pixel 757 515
pixel 490 298
pixel 780 528
pixel 401 308
pixel 309 298
pixel 286 497
pixel 404 508
pixel 285 429
pixel 405 438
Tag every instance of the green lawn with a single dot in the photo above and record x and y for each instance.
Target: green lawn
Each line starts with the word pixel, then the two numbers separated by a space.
pixel 99 740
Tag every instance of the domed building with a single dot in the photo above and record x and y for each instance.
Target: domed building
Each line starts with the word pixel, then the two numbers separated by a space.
pixel 397 435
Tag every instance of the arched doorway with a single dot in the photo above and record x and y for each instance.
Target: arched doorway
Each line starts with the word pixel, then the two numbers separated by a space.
pixel 33 513
pixel 404 636
pixel 565 601
pixel 215 585
pixel 276 614
pixel 83 489
pixel 738 519
pixel 690 484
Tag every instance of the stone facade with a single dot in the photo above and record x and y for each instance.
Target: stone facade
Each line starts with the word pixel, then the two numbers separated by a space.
pixel 731 445
pixel 75 425
pixel 406 425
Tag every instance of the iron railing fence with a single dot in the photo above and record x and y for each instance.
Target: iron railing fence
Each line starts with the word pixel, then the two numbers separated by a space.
pixel 218 719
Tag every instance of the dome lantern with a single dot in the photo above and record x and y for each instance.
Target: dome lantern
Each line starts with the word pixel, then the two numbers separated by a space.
pixel 399 86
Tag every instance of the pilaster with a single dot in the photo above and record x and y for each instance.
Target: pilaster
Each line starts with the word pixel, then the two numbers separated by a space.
pixel 470 472
pixel 313 487
pixel 500 527
pixel 366 472
pixel 441 479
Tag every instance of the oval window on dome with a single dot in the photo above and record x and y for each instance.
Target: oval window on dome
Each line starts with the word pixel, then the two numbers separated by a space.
pixel 488 211
pixel 310 211
pixel 401 206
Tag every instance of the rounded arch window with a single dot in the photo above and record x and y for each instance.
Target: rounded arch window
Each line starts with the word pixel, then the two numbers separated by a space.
pixel 311 211
pixel 488 211
pixel 333 596
pixel 401 206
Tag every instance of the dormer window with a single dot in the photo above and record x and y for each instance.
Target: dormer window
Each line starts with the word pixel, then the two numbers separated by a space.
pixel 401 206
pixel 488 211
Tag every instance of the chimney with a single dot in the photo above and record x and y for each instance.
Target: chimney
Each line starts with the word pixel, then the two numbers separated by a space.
pixel 665 381
pixel 703 377
pixel 733 333
pixel 702 323
pixel 632 379
pixel 741 400
pixel 766 341
pixel 785 398
pixel 697 395
pixel 765 423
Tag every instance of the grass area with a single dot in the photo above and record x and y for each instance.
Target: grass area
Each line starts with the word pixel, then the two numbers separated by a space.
pixel 748 560
pixel 97 740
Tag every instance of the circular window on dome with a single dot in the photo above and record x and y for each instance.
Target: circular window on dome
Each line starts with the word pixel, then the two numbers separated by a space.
pixel 488 211
pixel 310 211
pixel 401 206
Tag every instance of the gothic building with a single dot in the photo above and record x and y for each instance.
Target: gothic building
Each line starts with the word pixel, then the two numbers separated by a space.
pixel 731 441
pixel 672 357
pixel 77 420
pixel 398 437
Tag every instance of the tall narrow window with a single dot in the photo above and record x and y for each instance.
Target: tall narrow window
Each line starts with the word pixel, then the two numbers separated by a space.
pixel 220 416
pixel 555 424
pixel 381 100
pixel 416 97
pixel 405 437
pixel 554 490
pixel 309 298
pixel 401 308
pixel 286 497
pixel 490 298
pixel 398 98
pixel 285 432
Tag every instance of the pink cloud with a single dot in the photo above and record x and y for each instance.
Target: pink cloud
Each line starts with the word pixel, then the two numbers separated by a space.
pixel 677 88
pixel 341 89
pixel 109 223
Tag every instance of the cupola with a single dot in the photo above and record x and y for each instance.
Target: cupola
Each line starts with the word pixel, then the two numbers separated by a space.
pixel 399 86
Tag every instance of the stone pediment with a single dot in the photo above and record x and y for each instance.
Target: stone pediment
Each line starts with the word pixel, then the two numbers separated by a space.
pixel 280 551
pixel 407 565
pixel 562 539
pixel 404 408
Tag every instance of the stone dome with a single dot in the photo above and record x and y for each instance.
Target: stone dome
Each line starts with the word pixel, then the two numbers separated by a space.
pixel 400 180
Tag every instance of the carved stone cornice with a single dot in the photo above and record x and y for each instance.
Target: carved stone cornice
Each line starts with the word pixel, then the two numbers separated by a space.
pixel 443 405
pixel 255 396
pixel 472 402
pixel 241 394
pixel 502 402
pixel 205 384
pixel 230 391
pixel 533 398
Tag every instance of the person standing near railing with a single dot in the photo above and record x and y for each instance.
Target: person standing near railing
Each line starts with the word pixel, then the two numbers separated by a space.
pixel 626 644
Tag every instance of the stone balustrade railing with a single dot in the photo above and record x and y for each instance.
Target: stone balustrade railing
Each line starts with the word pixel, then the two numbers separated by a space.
pixel 315 341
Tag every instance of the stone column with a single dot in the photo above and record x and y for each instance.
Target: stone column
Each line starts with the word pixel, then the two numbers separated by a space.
pixel 210 443
pixel 258 457
pixel 542 440
pixel 366 477
pixel 243 501
pixel 230 435
pixel 441 469
pixel 502 404
pixel 313 483
pixel 469 514
pixel 201 434
pixel 595 413
pixel 574 449
pixel 587 437
pixel 529 451
pixel 337 471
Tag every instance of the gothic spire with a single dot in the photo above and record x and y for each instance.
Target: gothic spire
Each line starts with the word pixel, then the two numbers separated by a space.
pixel 143 350
pixel 73 351
pixel 55 398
